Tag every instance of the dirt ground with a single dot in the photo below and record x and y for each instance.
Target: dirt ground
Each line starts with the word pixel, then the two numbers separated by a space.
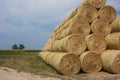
pixel 11 74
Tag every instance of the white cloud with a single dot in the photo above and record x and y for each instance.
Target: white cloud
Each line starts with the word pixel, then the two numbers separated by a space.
pixel 37 11
pixel 10 29
pixel 33 8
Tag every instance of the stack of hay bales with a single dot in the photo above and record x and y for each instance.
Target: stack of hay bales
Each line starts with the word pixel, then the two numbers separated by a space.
pixel 81 41
pixel 111 57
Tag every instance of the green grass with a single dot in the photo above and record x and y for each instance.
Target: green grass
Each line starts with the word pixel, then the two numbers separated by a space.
pixel 24 60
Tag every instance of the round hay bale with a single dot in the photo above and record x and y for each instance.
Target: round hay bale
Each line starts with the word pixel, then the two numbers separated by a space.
pixel 90 62
pixel 64 63
pixel 96 3
pixel 76 27
pixel 79 27
pixel 101 27
pixel 107 13
pixel 111 61
pixel 96 42
pixel 113 41
pixel 88 12
pixel 116 25
pixel 73 43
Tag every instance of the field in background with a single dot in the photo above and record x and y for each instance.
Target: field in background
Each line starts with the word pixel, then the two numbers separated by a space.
pixel 24 60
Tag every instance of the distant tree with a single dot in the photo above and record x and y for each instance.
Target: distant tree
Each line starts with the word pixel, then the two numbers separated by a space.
pixel 21 46
pixel 14 46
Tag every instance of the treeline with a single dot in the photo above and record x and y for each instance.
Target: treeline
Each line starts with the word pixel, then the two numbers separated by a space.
pixel 20 47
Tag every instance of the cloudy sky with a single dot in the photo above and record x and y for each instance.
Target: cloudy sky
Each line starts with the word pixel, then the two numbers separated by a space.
pixel 30 22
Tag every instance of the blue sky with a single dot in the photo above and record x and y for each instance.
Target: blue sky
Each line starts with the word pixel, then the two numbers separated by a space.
pixel 30 22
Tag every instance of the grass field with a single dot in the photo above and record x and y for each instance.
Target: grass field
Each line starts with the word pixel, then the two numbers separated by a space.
pixel 24 60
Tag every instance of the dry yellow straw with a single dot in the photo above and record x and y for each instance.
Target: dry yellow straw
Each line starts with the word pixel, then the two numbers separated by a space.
pixel 96 3
pixel 96 42
pixel 111 61
pixel 88 12
pixel 76 27
pixel 107 13
pixel 64 63
pixel 101 27
pixel 116 25
pixel 90 62
pixel 73 43
pixel 113 41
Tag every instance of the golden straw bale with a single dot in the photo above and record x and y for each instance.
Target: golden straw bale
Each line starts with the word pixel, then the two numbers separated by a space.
pixel 79 27
pixel 96 3
pixel 73 43
pixel 116 25
pixel 96 42
pixel 88 12
pixel 101 27
pixel 90 62
pixel 76 27
pixel 64 63
pixel 111 61
pixel 107 14
pixel 113 41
